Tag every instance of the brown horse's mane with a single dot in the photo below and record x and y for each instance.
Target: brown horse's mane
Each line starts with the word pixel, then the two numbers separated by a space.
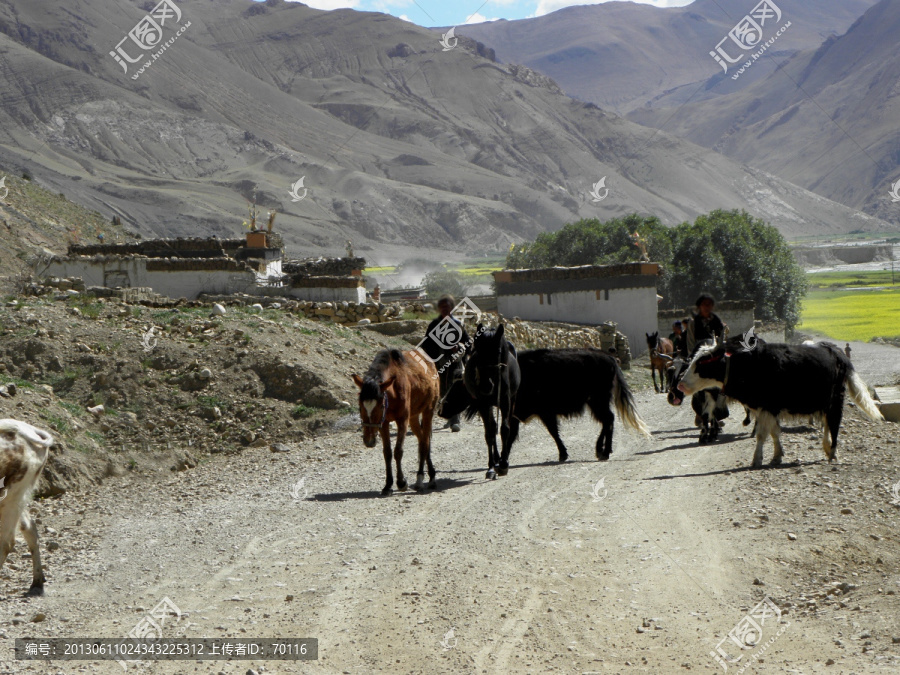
pixel 371 388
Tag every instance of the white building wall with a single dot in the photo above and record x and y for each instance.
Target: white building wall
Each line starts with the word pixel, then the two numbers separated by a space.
pixel 173 284
pixel 633 309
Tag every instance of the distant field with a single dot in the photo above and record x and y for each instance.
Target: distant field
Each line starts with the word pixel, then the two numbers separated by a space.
pixel 474 272
pixel 852 315
pixel 843 279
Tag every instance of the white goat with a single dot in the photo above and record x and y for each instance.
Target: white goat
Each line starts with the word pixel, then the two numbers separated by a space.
pixel 23 453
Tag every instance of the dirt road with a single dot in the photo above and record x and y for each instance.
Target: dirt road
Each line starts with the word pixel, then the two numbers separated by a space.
pixel 641 564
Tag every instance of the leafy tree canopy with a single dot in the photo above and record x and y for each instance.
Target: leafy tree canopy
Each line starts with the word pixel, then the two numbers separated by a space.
pixel 442 281
pixel 730 254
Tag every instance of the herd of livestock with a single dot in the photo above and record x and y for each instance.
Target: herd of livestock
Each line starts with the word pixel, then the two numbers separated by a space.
pixel 773 382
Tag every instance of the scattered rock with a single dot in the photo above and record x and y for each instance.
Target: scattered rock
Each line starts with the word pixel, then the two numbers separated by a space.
pixel 280 447
pixel 218 310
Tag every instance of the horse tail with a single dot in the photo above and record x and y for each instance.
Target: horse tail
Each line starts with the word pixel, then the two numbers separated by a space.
pixel 624 402
pixel 471 411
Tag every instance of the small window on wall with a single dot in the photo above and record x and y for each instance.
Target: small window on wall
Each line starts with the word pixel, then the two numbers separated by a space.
pixel 606 292
pixel 549 299
pixel 541 298
pixel 116 279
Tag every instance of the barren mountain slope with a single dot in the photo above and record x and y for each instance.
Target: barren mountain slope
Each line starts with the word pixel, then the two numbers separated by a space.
pixel 622 55
pixel 827 122
pixel 399 144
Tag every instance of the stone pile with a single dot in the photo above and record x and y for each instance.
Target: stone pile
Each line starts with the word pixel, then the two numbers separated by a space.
pixel 53 284
pixel 553 335
pixel 353 313
pixel 339 312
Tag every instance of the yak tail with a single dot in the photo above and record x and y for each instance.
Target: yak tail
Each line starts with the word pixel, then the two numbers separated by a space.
pixel 859 392
pixel 624 403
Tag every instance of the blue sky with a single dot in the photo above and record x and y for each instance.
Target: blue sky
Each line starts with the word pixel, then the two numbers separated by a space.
pixel 456 12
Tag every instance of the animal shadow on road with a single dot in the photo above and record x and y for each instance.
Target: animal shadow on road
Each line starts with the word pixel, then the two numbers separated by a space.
pixel 723 438
pixel 549 462
pixel 739 469
pixel 443 484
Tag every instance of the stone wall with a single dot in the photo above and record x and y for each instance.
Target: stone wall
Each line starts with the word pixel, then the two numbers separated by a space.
pixel 554 335
pixel 323 267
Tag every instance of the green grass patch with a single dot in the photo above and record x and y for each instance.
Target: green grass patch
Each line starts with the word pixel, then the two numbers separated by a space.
pixel 852 315
pixel 72 408
pixel 212 402
pixel 18 381
pixel 302 411
pixel 59 424
pixel 831 280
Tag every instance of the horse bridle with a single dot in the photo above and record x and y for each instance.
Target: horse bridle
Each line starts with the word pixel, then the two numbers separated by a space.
pixel 384 407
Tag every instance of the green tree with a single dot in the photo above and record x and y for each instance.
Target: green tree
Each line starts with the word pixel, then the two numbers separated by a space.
pixel 727 253
pixel 439 282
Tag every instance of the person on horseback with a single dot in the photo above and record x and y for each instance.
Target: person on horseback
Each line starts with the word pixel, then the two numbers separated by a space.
pixel 705 324
pixel 441 350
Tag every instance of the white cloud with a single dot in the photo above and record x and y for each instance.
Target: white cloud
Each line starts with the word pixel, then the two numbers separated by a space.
pixel 480 18
pixel 404 18
pixel 547 6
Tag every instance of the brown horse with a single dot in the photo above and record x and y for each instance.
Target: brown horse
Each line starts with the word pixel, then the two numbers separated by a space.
pixel 399 388
pixel 661 350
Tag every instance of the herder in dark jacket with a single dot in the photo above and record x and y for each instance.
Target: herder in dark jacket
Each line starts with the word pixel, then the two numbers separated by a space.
pixel 678 340
pixel 705 324
pixel 446 336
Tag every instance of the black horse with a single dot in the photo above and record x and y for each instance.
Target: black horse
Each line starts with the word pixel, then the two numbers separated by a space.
pixel 561 383
pixel 492 379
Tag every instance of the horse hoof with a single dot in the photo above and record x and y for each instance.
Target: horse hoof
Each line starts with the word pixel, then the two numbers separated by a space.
pixel 563 458
pixel 36 590
pixel 432 485
pixel 402 484
pixel 603 458
pixel 387 492
pixel 418 487
pixel 491 474
pixel 502 470
pixel 775 461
